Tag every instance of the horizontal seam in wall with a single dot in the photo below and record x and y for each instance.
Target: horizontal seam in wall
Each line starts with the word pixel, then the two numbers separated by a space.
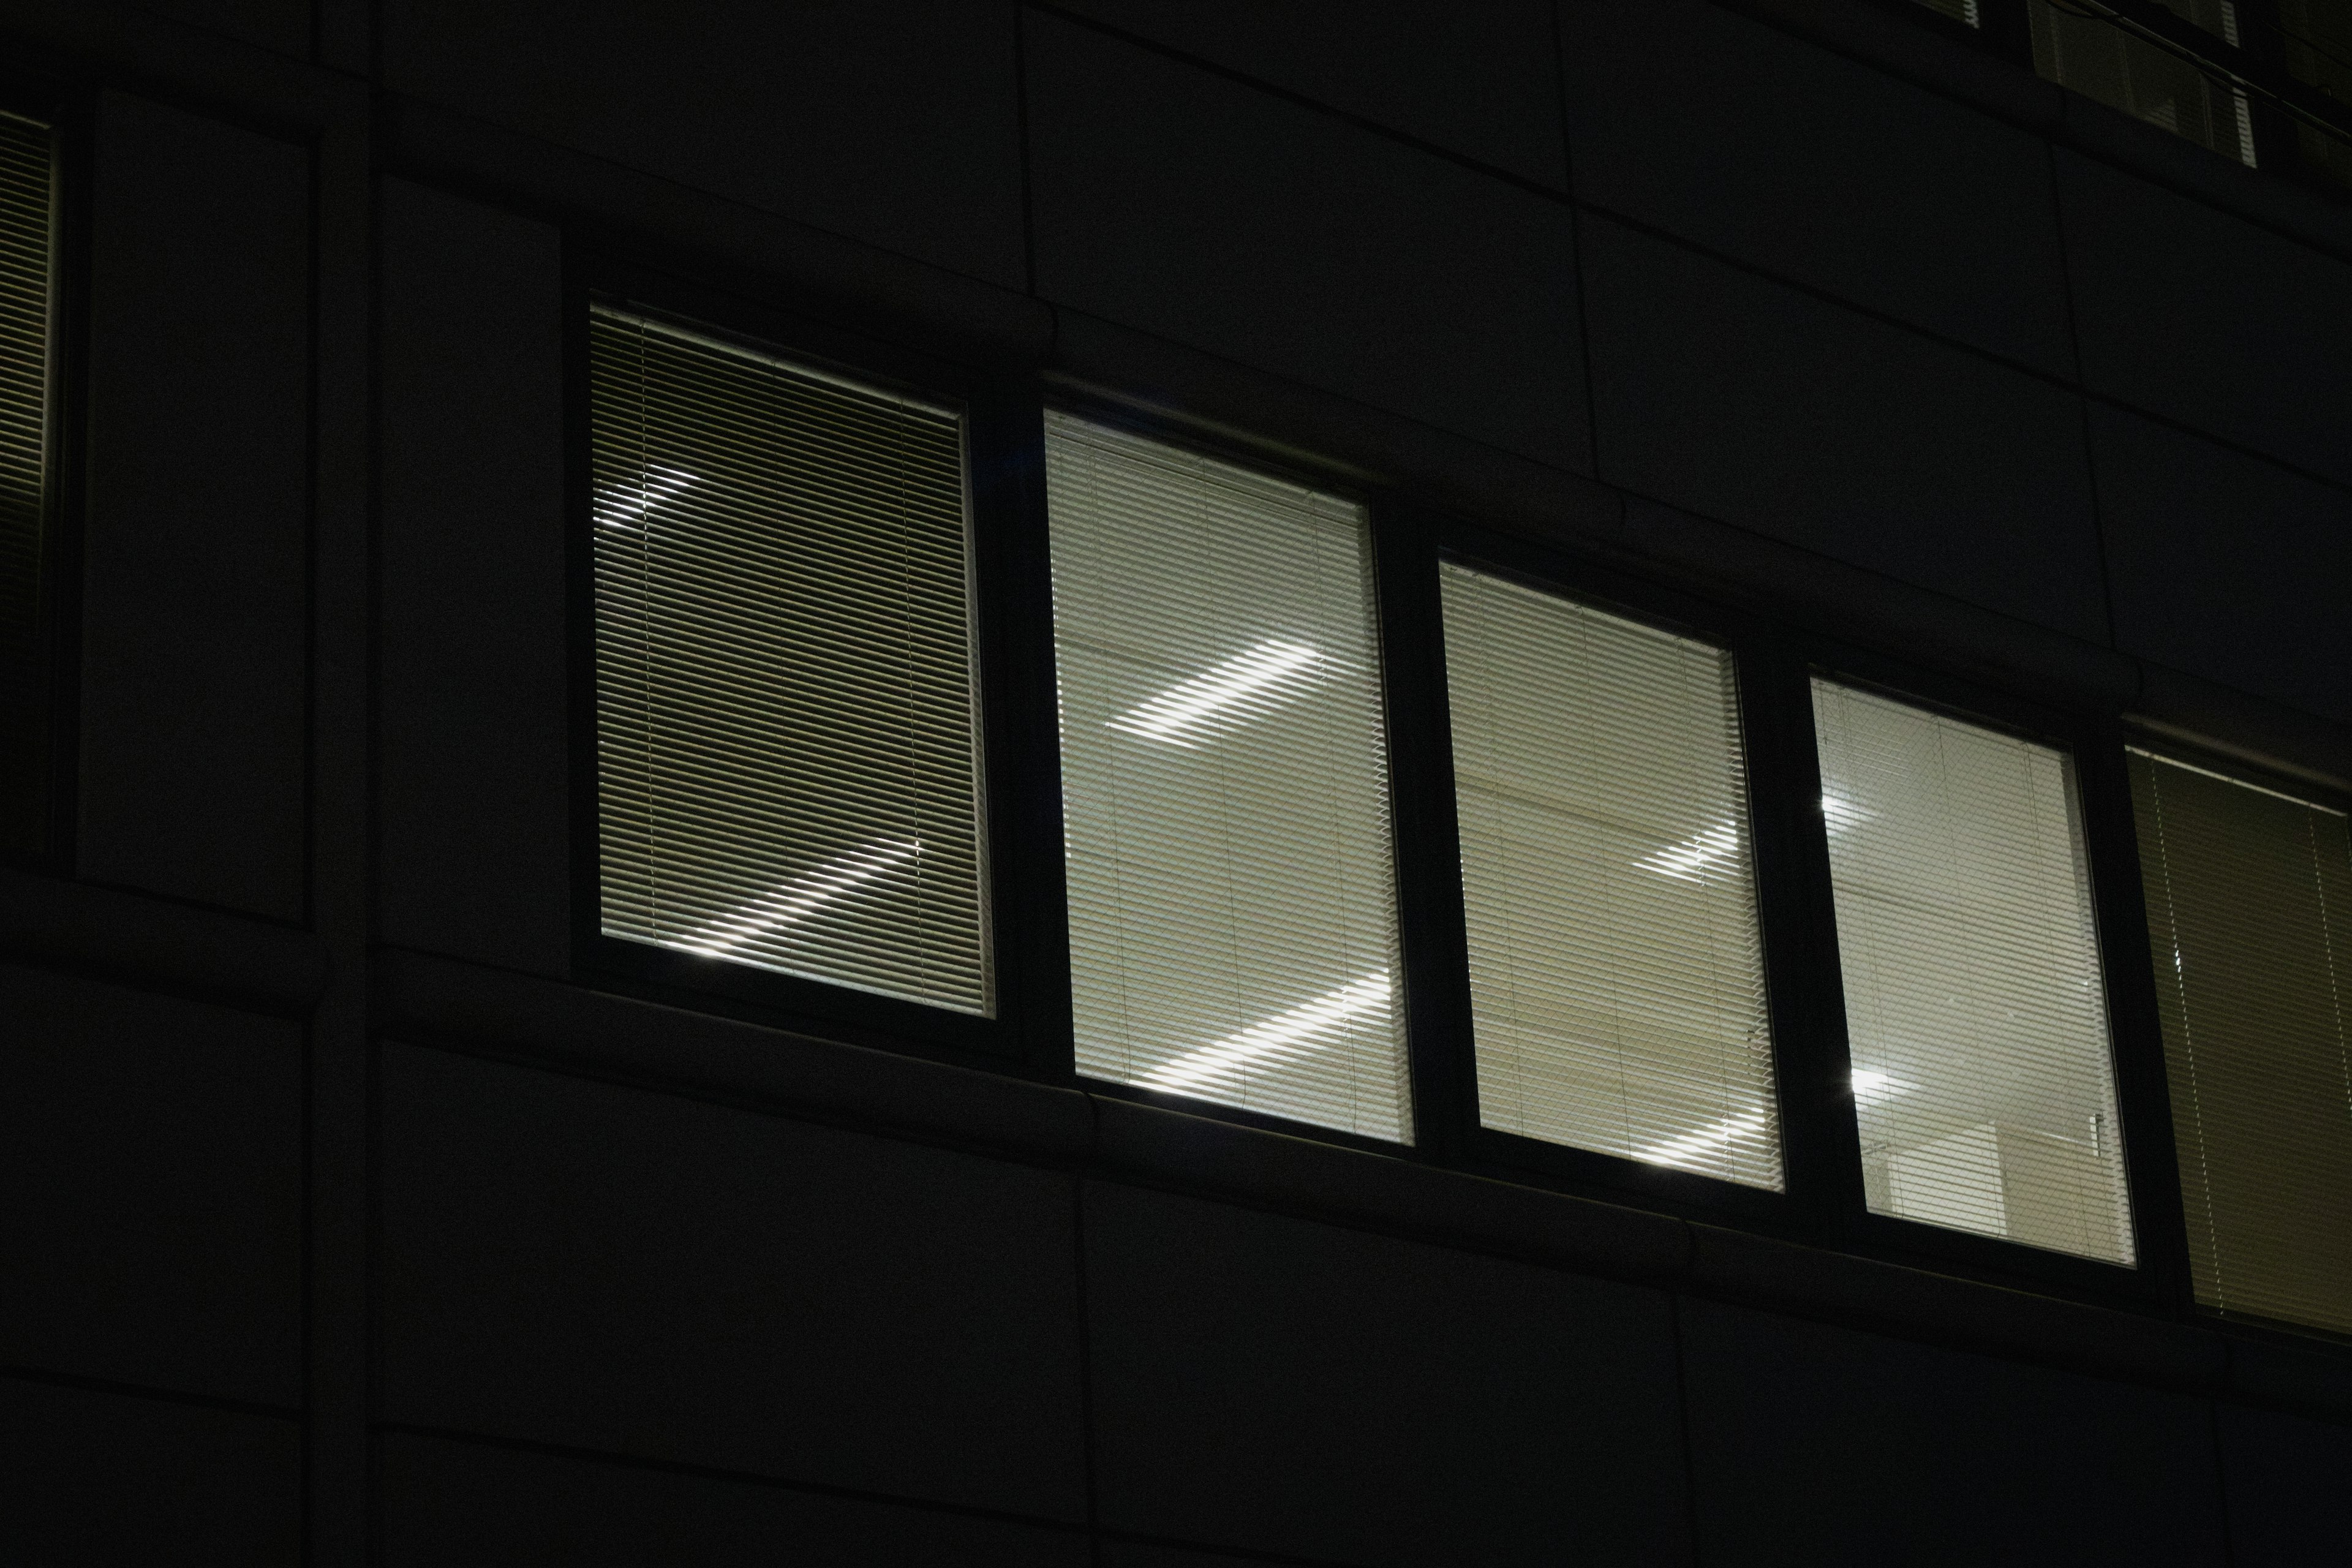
pixel 156 1393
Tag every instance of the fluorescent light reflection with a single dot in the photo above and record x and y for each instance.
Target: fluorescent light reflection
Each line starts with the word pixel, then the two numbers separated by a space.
pixel 1357 999
pixel 1871 1086
pixel 1689 859
pixel 1197 703
pixel 1703 1150
pixel 662 483
pixel 799 898
pixel 1840 814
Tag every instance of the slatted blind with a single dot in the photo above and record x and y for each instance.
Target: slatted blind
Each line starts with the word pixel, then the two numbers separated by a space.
pixel 2080 49
pixel 1233 924
pixel 26 219
pixel 1957 10
pixel 785 741
pixel 1616 964
pixel 2250 916
pixel 1983 1082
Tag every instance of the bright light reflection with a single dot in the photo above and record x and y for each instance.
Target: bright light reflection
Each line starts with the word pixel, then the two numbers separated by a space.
pixel 1689 859
pixel 1703 1148
pixel 798 899
pixel 1191 704
pixel 1871 1086
pixel 612 511
pixel 1842 814
pixel 1357 999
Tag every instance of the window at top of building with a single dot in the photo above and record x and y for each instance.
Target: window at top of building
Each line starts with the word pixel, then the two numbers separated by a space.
pixel 2078 48
pixel 28 308
pixel 2317 39
pixel 787 769
pixel 1976 1013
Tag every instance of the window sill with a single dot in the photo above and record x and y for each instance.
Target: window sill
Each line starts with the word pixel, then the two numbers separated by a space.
pixel 438 1001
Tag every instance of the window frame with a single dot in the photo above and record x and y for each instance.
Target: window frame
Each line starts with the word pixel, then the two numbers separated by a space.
pixel 1775 654
pixel 999 478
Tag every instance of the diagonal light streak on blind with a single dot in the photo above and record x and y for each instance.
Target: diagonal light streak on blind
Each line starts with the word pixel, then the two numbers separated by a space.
pixel 1309 1026
pixel 2249 898
pixel 1232 923
pixel 1223 693
pixel 28 213
pixel 1616 962
pixel 1976 1016
pixel 787 765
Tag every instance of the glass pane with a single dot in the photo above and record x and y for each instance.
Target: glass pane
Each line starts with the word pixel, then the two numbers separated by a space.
pixel 786 767
pixel 26 213
pixel 1616 967
pixel 1225 785
pixel 2249 917
pixel 1975 1012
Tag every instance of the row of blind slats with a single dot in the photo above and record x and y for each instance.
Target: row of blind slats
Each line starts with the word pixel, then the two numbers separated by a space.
pixel 2092 55
pixel 25 179
pixel 2250 920
pixel 1233 921
pixel 1976 1016
pixel 786 768
pixel 1616 966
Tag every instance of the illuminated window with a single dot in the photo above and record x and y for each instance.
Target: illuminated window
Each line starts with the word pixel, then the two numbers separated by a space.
pixel 27 377
pixel 1233 924
pixel 786 766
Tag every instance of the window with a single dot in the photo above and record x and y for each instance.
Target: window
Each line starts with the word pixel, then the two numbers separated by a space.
pixel 1976 1015
pixel 1961 11
pixel 786 761
pixel 2087 52
pixel 2317 36
pixel 1224 784
pixel 1616 966
pixel 2249 917
pixel 27 309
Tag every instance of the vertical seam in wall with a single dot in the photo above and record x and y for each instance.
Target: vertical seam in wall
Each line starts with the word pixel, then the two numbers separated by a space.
pixel 2082 392
pixel 1021 121
pixel 1683 1428
pixel 2221 1481
pixel 1575 240
pixel 1086 1350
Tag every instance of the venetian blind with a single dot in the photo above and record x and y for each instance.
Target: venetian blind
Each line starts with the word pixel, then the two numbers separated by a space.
pixel 1233 924
pixel 1616 966
pixel 1976 1017
pixel 785 748
pixel 26 177
pixel 2249 917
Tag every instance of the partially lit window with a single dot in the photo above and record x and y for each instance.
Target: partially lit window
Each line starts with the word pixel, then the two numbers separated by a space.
pixel 2250 916
pixel 27 305
pixel 786 766
pixel 2082 49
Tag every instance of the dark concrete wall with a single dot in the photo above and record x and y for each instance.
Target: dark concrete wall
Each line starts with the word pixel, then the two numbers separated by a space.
pixel 345 1226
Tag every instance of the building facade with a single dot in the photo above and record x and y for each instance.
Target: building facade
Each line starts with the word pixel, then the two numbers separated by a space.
pixel 374 1191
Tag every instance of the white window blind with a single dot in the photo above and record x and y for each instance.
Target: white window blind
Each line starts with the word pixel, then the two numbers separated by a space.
pixel 1616 964
pixel 2250 916
pixel 2079 48
pixel 27 177
pixel 1232 925
pixel 785 741
pixel 1975 1013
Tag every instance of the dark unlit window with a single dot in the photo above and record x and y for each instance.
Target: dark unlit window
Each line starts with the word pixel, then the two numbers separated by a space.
pixel 786 759
pixel 1233 919
pixel 28 243
pixel 1616 964
pixel 1976 1015
pixel 2250 919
